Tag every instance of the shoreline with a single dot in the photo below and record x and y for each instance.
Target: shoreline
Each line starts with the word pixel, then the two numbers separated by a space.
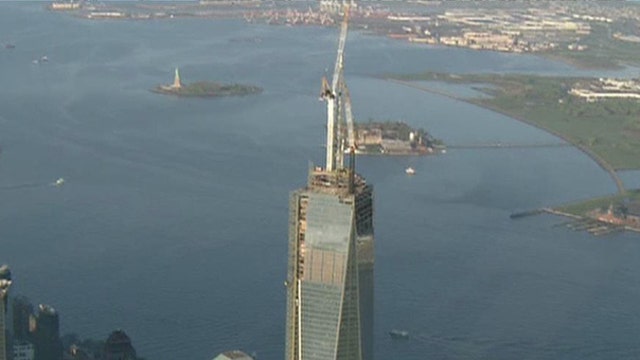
pixel 238 11
pixel 595 157
pixel 577 64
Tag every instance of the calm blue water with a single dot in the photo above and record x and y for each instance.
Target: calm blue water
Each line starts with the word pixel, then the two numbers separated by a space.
pixel 172 224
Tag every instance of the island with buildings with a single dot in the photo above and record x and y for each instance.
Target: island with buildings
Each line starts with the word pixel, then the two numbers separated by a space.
pixel 205 88
pixel 394 138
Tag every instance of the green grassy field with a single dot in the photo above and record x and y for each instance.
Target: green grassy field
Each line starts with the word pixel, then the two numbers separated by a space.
pixel 209 89
pixel 603 50
pixel 610 129
pixel 583 207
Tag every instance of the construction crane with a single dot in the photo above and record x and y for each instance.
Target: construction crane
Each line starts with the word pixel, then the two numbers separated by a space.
pixel 332 95
pixel 351 136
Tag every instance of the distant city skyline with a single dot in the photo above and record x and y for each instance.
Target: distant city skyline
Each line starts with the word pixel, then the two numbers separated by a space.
pixel 35 335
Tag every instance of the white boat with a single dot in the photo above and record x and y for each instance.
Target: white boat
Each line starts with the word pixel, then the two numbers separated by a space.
pixel 410 170
pixel 399 334
pixel 59 182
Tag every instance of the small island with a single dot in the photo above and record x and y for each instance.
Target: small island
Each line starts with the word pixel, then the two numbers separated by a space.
pixel 205 88
pixel 394 138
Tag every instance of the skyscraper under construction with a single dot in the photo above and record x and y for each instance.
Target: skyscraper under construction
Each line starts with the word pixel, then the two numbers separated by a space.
pixel 330 267
pixel 330 274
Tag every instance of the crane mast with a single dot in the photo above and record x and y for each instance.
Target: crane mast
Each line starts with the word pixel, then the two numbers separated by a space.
pixel 334 155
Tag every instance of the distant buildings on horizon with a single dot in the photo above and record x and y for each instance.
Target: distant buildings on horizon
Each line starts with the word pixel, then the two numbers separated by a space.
pixel 35 333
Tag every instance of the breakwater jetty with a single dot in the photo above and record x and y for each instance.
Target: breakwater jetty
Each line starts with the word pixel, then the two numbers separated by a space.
pixel 545 210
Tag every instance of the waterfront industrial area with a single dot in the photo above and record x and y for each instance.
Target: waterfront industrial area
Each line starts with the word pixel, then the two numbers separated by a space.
pixel 573 31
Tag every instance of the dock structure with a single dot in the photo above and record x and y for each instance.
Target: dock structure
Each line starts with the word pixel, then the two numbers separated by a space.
pixel 595 227
pixel 578 223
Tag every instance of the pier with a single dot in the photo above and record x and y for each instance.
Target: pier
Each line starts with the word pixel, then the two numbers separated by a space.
pixel 577 223
pixel 594 227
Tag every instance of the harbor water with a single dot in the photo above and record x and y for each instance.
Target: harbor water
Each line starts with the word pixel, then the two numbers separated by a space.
pixel 172 221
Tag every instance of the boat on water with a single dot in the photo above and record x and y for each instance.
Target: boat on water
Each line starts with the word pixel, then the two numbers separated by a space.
pixel 9 46
pixel 399 334
pixel 410 171
pixel 41 60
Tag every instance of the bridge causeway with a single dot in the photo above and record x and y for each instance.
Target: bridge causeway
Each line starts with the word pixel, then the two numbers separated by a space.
pixel 501 145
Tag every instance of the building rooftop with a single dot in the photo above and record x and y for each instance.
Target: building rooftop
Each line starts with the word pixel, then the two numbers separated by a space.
pixel 335 182
pixel 118 337
pixel 233 355
pixel 5 273
pixel 5 282
pixel 47 309
pixel 633 209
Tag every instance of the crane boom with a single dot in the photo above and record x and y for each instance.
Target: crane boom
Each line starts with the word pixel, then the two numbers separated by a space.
pixel 337 71
pixel 351 136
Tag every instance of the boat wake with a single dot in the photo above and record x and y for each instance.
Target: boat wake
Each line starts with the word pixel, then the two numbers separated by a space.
pixel 24 186
pixel 59 182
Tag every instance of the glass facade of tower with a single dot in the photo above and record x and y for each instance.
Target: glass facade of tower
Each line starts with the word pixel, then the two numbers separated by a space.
pixel 5 283
pixel 3 339
pixel 365 256
pixel 47 335
pixel 22 313
pixel 330 274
